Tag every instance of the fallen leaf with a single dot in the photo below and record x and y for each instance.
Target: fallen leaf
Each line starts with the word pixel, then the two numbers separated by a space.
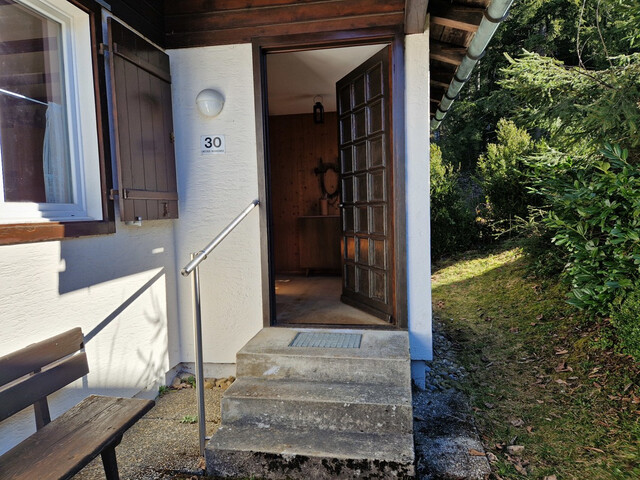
pixel 533 324
pixel 514 330
pixel 593 449
pixel 489 405
pixel 475 453
pixel 515 449
pixel 529 429
pixel 562 352
pixel 540 401
pixel 202 463
pixel 563 367
pixel 550 477
pixel 627 387
pixel 540 317
pixel 520 469
pixel 491 457
pixel 499 446
pixel 560 381
pixel 517 422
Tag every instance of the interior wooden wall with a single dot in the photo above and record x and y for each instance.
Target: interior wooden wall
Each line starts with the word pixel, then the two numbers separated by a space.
pixel 296 144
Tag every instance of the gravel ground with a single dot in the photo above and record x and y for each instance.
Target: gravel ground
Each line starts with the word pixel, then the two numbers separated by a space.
pixel 161 447
pixel 444 432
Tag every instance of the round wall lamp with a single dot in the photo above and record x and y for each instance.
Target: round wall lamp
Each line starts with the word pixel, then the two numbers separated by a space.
pixel 210 102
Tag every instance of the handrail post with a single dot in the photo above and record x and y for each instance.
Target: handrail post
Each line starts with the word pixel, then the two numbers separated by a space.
pixel 193 267
pixel 197 326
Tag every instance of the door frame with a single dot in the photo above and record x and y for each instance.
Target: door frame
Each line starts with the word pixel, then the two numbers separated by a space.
pixel 280 44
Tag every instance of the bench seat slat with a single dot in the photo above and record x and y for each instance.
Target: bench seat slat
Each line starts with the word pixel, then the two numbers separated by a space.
pixel 60 449
pixel 31 389
pixel 37 355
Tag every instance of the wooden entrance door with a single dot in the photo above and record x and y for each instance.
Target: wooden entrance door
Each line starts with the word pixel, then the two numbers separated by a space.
pixel 365 161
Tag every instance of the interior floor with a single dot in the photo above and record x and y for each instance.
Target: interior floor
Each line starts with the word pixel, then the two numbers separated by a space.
pixel 315 300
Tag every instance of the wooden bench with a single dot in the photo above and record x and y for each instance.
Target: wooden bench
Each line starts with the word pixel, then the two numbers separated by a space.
pixel 62 447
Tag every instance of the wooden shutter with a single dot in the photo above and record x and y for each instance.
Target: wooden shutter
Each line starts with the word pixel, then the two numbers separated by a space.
pixel 141 87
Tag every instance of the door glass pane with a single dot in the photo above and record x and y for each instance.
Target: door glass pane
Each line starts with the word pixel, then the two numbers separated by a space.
pixel 358 92
pixel 361 156
pixel 375 117
pixel 34 148
pixel 362 281
pixel 379 285
pixel 359 124
pixel 363 251
pixel 376 152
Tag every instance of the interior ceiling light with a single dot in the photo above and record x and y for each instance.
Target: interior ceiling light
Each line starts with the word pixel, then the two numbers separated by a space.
pixel 318 110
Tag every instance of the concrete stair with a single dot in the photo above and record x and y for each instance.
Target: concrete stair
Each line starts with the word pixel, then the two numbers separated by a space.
pixel 320 413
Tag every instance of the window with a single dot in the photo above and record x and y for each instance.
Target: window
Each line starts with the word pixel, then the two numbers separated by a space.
pixel 49 152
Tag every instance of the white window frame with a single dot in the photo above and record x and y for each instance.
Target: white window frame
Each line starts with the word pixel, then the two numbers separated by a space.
pixel 82 126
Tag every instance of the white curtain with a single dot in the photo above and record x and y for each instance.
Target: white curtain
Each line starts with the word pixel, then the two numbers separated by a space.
pixel 55 157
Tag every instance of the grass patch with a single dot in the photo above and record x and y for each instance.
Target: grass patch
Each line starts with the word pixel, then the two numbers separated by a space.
pixel 537 376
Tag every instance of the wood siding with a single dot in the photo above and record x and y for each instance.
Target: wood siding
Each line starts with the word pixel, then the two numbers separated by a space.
pixel 296 144
pixel 146 16
pixel 192 23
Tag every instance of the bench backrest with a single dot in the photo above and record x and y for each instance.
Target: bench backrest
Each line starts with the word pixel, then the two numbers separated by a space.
pixel 28 375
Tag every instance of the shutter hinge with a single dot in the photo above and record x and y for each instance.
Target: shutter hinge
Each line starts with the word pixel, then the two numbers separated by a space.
pixel 103 48
pixel 113 194
pixel 172 137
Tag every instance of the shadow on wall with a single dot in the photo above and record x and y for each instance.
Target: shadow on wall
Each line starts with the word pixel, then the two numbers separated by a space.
pixel 92 261
pixel 88 336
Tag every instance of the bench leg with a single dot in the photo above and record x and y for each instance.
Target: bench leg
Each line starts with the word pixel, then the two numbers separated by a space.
pixel 109 462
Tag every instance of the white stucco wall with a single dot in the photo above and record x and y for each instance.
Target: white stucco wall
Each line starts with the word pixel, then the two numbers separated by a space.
pixel 213 189
pixel 417 197
pixel 123 289
pixel 120 289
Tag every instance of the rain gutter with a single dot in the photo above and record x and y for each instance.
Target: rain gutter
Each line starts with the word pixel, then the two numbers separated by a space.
pixel 494 15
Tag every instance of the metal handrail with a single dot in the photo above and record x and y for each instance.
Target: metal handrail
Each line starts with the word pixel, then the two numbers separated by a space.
pixel 194 266
pixel 202 254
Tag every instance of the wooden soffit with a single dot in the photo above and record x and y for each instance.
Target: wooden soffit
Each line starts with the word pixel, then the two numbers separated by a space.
pixel 191 23
pixel 452 25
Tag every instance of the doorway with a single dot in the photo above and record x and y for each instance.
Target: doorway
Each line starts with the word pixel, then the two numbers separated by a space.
pixel 329 165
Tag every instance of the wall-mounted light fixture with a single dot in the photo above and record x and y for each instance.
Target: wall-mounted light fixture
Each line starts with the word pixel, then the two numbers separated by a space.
pixel 210 102
pixel 318 110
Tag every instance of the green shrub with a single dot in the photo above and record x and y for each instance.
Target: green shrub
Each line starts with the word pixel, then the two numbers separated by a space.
pixel 546 259
pixel 595 216
pixel 504 177
pixel 452 221
pixel 626 322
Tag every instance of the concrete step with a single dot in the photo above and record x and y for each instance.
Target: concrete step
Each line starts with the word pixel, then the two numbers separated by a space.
pixel 329 406
pixel 278 453
pixel 383 358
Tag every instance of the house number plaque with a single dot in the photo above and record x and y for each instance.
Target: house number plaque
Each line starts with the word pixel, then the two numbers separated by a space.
pixel 210 144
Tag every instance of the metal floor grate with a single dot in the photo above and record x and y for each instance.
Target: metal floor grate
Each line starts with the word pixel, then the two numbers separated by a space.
pixel 327 340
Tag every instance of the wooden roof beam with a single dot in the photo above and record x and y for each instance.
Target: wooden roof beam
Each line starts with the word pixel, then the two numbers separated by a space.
pixel 437 83
pixel 446 53
pixel 415 16
pixel 466 18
